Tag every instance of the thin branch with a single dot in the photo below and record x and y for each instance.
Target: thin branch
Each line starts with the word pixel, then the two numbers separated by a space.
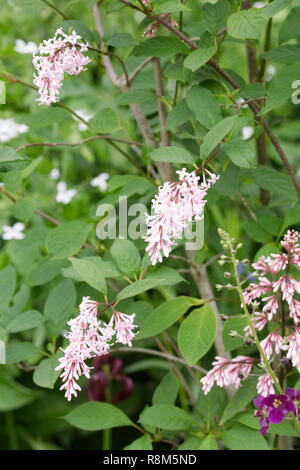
pixel 139 68
pixel 166 169
pixel 65 17
pixel 75 144
pixel 38 212
pixel 153 352
pixel 245 203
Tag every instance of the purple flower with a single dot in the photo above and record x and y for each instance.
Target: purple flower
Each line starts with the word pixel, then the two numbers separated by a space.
pixel 279 406
pixel 274 408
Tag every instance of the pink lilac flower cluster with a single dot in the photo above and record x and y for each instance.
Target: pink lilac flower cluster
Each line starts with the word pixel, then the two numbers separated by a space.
pixel 58 55
pixel 277 291
pixel 90 337
pixel 281 285
pixel 152 29
pixel 280 288
pixel 175 205
pixel 227 372
pixel 273 408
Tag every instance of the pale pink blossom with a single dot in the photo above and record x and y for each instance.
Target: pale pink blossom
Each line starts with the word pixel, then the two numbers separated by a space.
pixel 259 321
pixel 282 286
pixel 265 385
pixel 271 306
pixel 90 337
pixel 58 55
pixel 175 205
pixel 227 372
pixel 124 327
pixel 293 348
pixel 288 286
pixel 272 343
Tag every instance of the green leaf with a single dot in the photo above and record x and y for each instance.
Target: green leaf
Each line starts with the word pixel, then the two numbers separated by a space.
pixel 164 316
pixel 211 406
pixel 241 153
pixel 274 7
pixel 228 184
pixel 169 6
pixel 178 115
pixel 67 239
pixel 166 392
pixel 59 306
pixel 274 181
pixel 96 416
pixel 280 89
pixel 142 443
pixel 256 232
pixel 287 54
pixel 266 251
pixel 80 28
pixel 137 96
pixel 23 210
pixel 45 271
pixel 240 399
pixel 25 321
pixel 138 287
pixel 236 323
pixel 292 217
pixel 17 351
pixel 204 106
pixel 253 90
pixel 215 135
pixel 289 29
pixel 121 40
pixel 7 286
pixel 160 46
pixel 214 16
pixel 126 256
pixel 209 443
pixel 9 155
pixel 167 417
pixel 45 117
pixel 197 334
pixel 168 276
pixel 45 374
pixel 246 24
pixel 242 438
pixel 14 395
pixel 105 121
pixel 171 154
pixel 199 57
pixel 90 273
pixel 25 253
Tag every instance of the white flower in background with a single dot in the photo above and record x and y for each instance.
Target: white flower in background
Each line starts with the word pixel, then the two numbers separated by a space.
pixel 259 5
pixel 64 195
pixel 10 129
pixel 13 233
pixel 240 101
pixel 25 48
pixel 100 181
pixel 271 70
pixel 54 174
pixel 247 132
pixel 84 115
